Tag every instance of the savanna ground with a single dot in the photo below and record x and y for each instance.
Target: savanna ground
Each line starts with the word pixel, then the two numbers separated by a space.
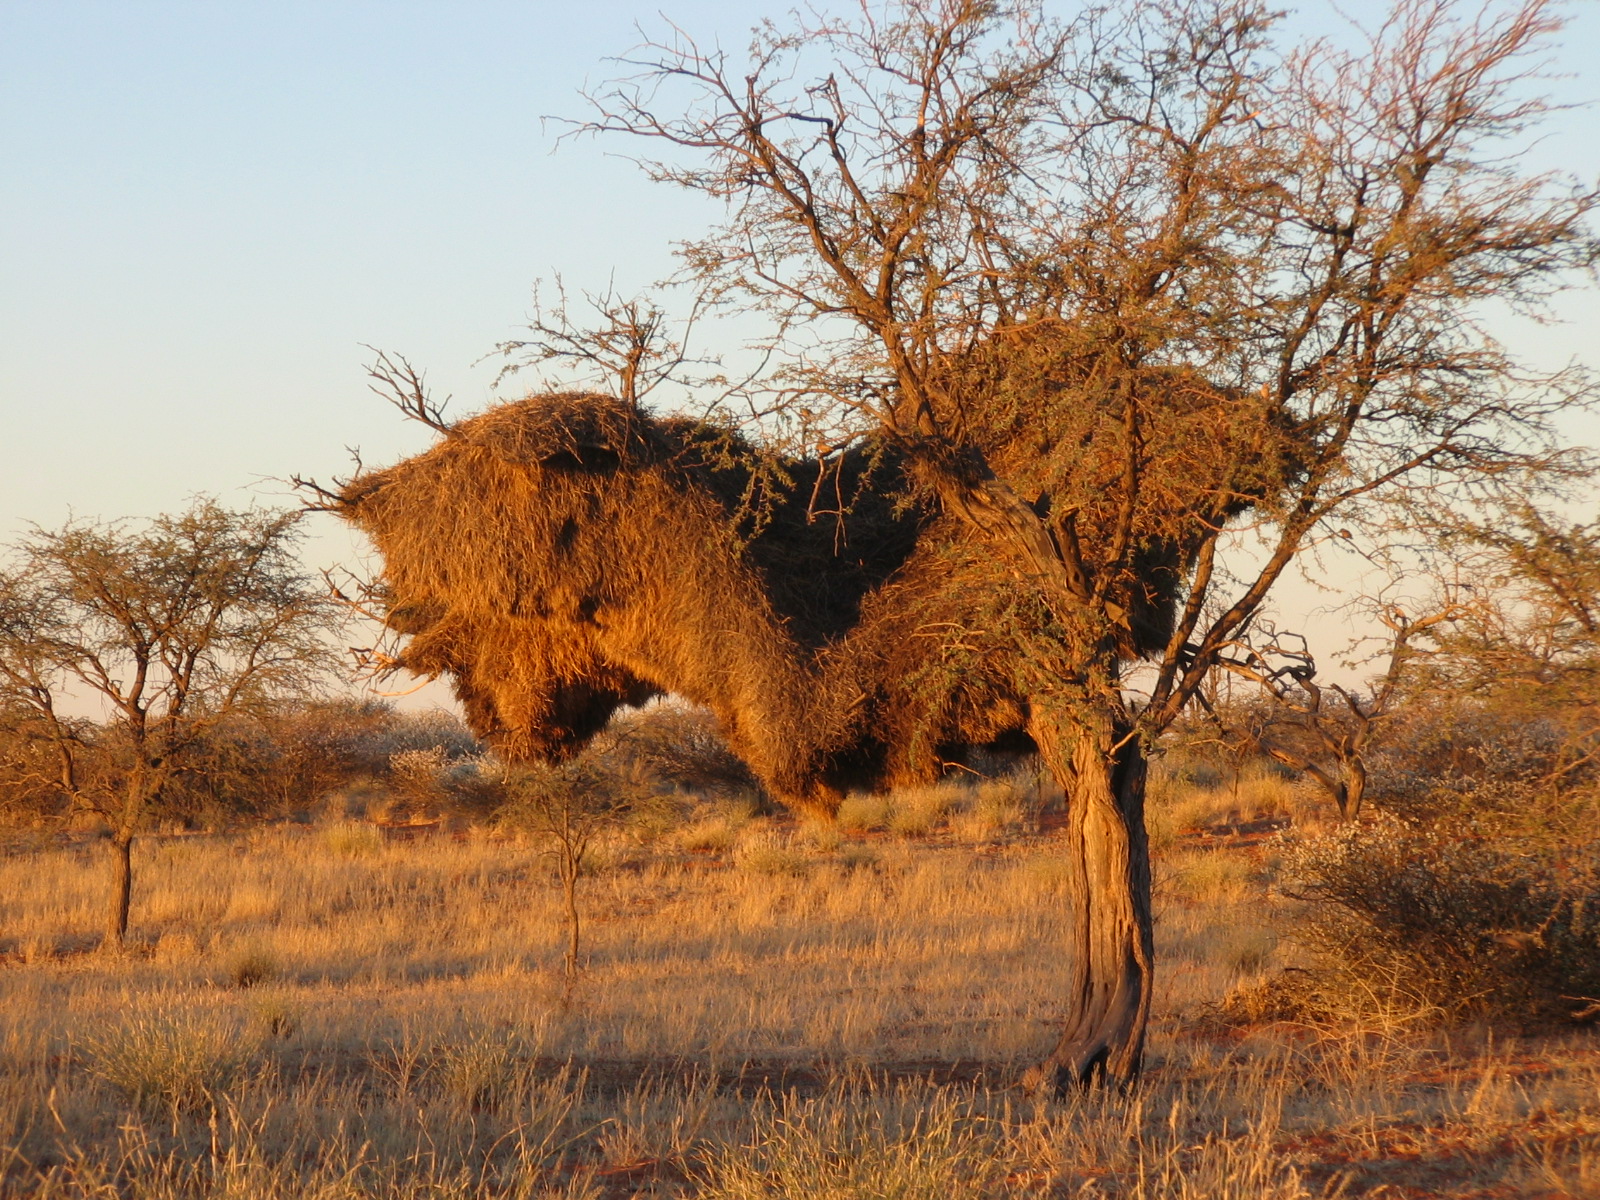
pixel 767 1010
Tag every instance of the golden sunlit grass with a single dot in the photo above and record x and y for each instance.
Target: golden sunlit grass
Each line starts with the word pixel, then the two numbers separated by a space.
pixel 767 1010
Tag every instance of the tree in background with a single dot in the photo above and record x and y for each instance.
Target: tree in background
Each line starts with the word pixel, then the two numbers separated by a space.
pixel 173 629
pixel 1322 727
pixel 1534 627
pixel 1111 285
pixel 566 808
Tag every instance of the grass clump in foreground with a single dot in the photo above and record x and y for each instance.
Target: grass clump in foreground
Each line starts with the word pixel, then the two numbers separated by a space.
pixel 855 1028
pixel 170 1059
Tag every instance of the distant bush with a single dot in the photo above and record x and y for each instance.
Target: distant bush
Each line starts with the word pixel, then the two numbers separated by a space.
pixel 1502 761
pixel 29 792
pixel 278 762
pixel 680 746
pixel 267 763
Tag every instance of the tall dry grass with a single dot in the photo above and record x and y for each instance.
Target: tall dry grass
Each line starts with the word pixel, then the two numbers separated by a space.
pixel 769 1012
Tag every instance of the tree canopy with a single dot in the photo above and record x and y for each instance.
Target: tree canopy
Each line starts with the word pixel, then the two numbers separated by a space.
pixel 174 628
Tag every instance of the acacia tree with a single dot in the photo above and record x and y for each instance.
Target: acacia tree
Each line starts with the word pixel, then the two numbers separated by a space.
pixel 1535 625
pixel 174 628
pixel 1068 267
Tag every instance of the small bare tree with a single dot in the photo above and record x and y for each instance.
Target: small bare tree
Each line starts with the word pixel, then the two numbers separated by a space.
pixel 1329 740
pixel 567 808
pixel 171 628
pixel 628 345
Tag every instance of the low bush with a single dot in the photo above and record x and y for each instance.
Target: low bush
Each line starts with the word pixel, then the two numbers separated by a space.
pixel 681 746
pixel 1453 917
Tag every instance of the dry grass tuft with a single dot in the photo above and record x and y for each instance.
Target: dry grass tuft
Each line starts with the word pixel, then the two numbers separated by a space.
pixel 352 839
pixel 862 812
pixel 176 1059
pixel 906 1144
pixel 767 853
pixel 250 963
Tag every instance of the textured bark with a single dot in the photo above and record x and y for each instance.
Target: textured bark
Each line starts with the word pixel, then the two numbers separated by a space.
pixel 1102 773
pixel 1355 789
pixel 121 890
pixel 1111 940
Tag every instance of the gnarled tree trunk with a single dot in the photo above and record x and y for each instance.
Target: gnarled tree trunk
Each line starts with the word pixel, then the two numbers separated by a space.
pixel 1111 940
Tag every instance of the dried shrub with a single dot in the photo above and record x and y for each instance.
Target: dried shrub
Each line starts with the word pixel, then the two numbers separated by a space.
pixel 859 858
pixel 769 854
pixel 862 813
pixel 715 834
pixel 917 812
pixel 478 1072
pixel 249 964
pixel 1452 918
pixel 991 808
pixel 681 746
pixel 1526 773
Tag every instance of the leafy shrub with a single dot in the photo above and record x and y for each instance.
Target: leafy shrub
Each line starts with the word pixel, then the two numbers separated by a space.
pixel 1444 916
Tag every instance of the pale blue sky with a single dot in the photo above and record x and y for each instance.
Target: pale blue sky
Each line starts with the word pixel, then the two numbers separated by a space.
pixel 206 209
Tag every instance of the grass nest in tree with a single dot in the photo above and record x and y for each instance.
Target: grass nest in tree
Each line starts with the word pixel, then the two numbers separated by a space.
pixel 565 555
